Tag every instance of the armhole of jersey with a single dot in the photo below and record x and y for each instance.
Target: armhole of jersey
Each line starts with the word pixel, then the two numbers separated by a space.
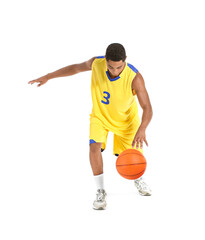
pixel 97 58
pixel 132 89
pixel 93 63
pixel 134 70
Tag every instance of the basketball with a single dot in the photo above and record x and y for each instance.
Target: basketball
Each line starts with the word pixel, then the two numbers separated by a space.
pixel 131 164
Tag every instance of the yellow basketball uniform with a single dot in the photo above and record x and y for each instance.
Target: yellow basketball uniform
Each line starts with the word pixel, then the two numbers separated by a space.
pixel 114 106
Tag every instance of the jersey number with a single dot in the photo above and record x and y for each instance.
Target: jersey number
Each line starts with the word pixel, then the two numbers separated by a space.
pixel 106 97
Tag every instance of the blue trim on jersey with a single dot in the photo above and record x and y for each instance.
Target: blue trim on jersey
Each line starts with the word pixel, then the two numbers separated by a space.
pixel 100 57
pixel 132 67
pixel 92 141
pixel 111 78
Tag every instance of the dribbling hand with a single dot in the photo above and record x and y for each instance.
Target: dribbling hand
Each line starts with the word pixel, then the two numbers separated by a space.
pixel 139 138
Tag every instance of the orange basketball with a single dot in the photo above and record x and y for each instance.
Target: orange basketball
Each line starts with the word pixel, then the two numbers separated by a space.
pixel 131 164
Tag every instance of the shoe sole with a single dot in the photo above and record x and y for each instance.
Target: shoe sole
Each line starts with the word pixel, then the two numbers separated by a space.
pixel 99 208
pixel 147 194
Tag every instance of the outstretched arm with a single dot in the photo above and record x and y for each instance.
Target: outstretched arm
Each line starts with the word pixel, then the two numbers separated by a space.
pixel 72 69
pixel 66 71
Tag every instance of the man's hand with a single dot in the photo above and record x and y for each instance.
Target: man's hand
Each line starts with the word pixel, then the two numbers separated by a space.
pixel 41 80
pixel 139 138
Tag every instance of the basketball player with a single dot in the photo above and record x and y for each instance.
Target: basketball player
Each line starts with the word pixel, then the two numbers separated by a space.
pixel 114 84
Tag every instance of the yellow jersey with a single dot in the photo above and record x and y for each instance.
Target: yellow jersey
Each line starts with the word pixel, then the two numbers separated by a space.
pixel 114 101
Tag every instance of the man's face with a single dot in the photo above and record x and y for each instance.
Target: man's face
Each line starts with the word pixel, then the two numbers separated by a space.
pixel 115 68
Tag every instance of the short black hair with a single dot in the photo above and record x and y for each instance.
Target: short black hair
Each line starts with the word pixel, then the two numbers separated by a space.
pixel 115 52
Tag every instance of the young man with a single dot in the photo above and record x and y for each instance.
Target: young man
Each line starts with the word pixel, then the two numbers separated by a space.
pixel 114 85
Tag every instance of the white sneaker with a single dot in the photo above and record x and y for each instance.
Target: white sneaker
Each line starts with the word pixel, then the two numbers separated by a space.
pixel 100 202
pixel 142 187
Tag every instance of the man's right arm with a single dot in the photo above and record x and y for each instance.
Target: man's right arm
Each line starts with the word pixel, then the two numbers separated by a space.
pixel 72 69
pixel 66 71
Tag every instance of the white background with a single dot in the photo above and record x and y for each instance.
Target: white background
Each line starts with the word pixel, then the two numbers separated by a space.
pixel 46 183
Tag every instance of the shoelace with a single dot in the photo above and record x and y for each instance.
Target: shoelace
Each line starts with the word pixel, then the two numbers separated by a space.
pixel 100 196
pixel 142 185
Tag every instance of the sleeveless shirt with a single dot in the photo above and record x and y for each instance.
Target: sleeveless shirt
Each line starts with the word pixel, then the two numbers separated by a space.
pixel 114 101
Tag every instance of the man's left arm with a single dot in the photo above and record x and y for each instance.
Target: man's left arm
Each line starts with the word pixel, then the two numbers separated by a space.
pixel 138 85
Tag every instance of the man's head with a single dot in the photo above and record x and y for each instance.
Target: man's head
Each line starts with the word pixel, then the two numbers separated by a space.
pixel 115 59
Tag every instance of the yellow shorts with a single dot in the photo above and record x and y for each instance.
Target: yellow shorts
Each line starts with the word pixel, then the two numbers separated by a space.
pixel 98 133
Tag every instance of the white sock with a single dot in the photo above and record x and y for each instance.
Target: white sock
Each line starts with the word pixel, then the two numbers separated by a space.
pixel 99 180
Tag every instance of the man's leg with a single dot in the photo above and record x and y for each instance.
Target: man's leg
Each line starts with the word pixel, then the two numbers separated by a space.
pixel 97 141
pixel 96 160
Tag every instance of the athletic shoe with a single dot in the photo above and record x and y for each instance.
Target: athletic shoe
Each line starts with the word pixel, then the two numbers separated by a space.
pixel 142 187
pixel 100 202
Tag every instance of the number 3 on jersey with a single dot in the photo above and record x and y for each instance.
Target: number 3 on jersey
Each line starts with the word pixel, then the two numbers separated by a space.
pixel 106 97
